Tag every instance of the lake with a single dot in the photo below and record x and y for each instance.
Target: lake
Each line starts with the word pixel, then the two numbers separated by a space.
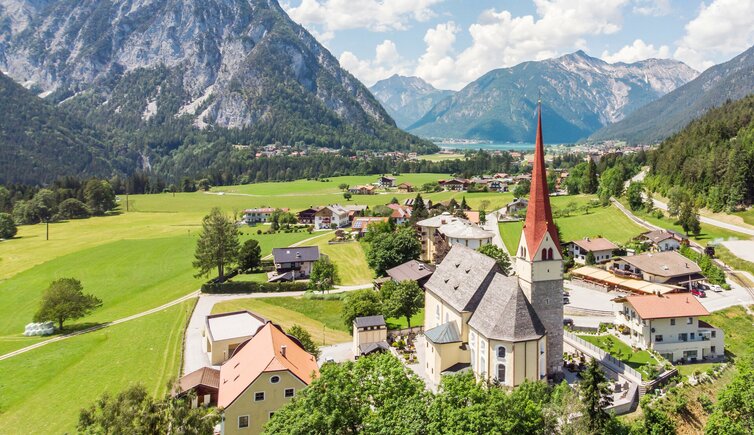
pixel 488 146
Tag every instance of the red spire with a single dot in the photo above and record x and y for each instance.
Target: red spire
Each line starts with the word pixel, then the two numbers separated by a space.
pixel 539 215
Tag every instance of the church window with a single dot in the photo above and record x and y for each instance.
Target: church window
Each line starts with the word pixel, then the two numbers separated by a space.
pixel 549 254
pixel 544 254
pixel 501 352
pixel 501 373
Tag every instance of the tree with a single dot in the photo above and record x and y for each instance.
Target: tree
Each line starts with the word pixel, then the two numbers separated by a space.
pixel 464 205
pixel 99 197
pixel 250 255
pixel 634 195
pixel 676 198
pixel 394 249
pixel 347 196
pixel 688 219
pixel 65 300
pixel 360 303
pixel 23 213
pixel 590 259
pixel 203 184
pixel 649 203
pixel 419 210
pixel 134 411
pixel 589 182
pixel 595 393
pixel 305 338
pixel 394 201
pixel 324 275
pixel 611 184
pixel 72 208
pixel 7 226
pixel 500 256
pixel 402 299
pixel 44 205
pixel 522 189
pixel 734 410
pixel 655 421
pixel 217 246
pixel 5 200
pixel 343 186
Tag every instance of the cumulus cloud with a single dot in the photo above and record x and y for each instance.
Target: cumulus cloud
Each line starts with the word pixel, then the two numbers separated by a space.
pixel 500 39
pixel 328 16
pixel 722 29
pixel 656 8
pixel 387 61
pixel 639 50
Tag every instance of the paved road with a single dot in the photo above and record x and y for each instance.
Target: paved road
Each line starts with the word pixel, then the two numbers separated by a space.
pixel 711 221
pixel 491 225
pixel 98 327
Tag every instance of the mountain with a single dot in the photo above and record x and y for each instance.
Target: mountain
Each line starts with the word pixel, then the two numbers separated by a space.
pixel 731 80
pixel 407 99
pixel 579 93
pixel 39 142
pixel 191 77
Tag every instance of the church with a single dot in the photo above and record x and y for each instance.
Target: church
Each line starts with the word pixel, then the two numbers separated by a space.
pixel 505 329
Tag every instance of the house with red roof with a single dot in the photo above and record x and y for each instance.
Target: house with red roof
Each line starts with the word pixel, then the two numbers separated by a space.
pixel 670 324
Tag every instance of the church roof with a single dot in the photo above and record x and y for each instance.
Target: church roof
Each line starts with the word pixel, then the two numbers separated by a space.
pixel 442 334
pixel 462 278
pixel 539 219
pixel 504 313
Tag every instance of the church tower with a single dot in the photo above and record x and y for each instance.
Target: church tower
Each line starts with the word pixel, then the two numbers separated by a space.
pixel 539 261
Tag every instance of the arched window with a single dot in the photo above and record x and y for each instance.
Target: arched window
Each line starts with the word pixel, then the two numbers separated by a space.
pixel 544 254
pixel 501 352
pixel 501 372
pixel 549 254
pixel 437 313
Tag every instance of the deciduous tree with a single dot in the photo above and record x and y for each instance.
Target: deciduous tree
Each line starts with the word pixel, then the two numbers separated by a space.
pixel 305 338
pixel 65 300
pixel 634 196
pixel 394 249
pixel 402 299
pixel 324 275
pixel 99 197
pixel 7 226
pixel 500 256
pixel 360 303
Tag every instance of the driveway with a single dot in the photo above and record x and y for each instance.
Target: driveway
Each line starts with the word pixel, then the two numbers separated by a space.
pixel 338 353
pixel 743 249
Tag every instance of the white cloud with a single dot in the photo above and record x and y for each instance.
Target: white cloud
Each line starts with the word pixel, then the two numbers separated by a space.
pixel 721 29
pixel 375 15
pixel 639 50
pixel 655 8
pixel 387 61
pixel 500 40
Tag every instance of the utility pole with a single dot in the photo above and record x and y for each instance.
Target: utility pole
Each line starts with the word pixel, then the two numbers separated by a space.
pixel 47 230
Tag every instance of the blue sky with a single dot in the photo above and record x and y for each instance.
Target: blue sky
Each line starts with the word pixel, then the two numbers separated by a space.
pixel 452 42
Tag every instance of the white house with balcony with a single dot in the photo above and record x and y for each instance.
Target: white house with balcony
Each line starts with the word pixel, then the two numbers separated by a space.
pixel 670 325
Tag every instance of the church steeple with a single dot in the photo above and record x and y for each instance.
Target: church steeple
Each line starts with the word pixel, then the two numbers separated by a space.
pixel 539 220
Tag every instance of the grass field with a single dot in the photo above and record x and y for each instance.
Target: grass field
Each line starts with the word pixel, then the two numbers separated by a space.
pixel 440 157
pixel 400 323
pixel 330 186
pixel 637 360
pixel 43 390
pixel 320 317
pixel 350 259
pixel 747 216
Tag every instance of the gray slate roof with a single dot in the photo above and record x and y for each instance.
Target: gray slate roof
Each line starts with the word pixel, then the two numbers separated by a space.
pixel 366 349
pixel 504 313
pixel 367 321
pixel 296 254
pixel 462 278
pixel 442 334
pixel 411 270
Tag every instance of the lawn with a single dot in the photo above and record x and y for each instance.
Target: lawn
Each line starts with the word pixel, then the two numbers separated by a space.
pixel 330 186
pixel 350 259
pixel 639 360
pixel 747 215
pixel 441 157
pixel 320 317
pixel 43 390
pixel 251 277
pixel 738 327
pixel 400 323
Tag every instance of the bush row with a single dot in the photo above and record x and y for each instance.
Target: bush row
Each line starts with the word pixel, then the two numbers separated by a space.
pixel 253 287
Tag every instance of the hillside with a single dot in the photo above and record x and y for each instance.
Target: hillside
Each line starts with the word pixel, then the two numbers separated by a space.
pixel 713 157
pixel 658 120
pixel 407 99
pixel 39 142
pixel 191 77
pixel 580 94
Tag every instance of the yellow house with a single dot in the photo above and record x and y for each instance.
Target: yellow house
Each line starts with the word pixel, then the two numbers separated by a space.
pixel 266 372
pixel 223 333
pixel 369 335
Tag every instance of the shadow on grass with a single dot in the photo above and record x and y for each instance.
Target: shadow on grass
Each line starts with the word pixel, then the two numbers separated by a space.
pixel 76 327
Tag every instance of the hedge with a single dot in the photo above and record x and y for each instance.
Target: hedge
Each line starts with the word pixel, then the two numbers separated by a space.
pixel 254 287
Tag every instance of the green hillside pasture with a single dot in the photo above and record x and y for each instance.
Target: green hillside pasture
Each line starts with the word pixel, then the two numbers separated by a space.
pixel 350 259
pixel 43 390
pixel 323 187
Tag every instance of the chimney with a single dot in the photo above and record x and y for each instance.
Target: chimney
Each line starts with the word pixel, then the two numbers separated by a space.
pixel 282 350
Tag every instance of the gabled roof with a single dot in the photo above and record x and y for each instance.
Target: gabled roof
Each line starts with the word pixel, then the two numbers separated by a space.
pixel 462 278
pixel 658 236
pixel 443 334
pixel 368 348
pixel 368 321
pixel 263 353
pixel 667 306
pixel 411 270
pixel 668 263
pixel 504 313
pixel 295 254
pixel 205 376
pixel 361 223
pixel 539 219
pixel 595 244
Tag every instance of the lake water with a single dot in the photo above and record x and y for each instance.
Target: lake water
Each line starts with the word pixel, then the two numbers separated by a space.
pixel 487 146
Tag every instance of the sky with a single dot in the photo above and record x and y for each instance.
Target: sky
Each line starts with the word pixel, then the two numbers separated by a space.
pixel 450 43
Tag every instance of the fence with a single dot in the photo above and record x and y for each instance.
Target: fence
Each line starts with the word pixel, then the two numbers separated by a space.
pixel 407 331
pixel 605 358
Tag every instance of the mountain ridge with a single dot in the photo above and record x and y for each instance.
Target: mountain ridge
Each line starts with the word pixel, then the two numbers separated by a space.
pixel 407 98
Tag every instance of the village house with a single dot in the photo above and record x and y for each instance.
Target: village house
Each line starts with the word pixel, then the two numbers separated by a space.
pixel 411 270
pixel 457 184
pixel 259 215
pixel 667 267
pixel 401 213
pixel 405 187
pixel 669 324
pixel 223 333
pixel 363 190
pixel 369 335
pixel 355 210
pixel 204 382
pixel 503 328
pixel 293 263
pixel 332 215
pixel 307 216
pixel 385 182
pixel 601 248
pixel 360 225
pixel 265 373
pixel 515 206
pixel 446 228
pixel 662 240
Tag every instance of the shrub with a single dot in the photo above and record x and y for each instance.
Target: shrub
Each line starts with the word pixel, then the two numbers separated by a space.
pixel 706 403
pixel 253 287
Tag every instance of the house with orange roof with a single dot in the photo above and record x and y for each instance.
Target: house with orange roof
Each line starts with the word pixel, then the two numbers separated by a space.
pixel 264 374
pixel 670 324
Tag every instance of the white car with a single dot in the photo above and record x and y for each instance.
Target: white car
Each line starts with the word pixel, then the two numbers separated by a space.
pixel 716 288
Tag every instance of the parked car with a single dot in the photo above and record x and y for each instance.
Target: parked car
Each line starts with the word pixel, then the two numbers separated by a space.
pixel 567 322
pixel 716 288
pixel 698 293
pixel 566 300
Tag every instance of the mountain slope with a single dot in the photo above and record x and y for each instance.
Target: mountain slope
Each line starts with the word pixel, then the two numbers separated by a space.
pixel 407 99
pixel 579 94
pixel 731 80
pixel 158 72
pixel 39 142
